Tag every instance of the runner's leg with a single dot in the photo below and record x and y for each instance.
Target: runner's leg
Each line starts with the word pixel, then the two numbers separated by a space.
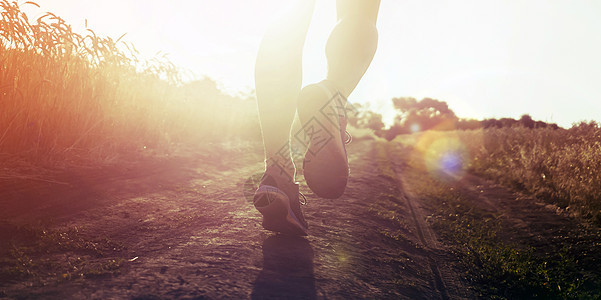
pixel 278 79
pixel 321 106
pixel 352 43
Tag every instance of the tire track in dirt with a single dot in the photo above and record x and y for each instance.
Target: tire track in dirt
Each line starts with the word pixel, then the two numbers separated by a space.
pixel 425 236
pixel 445 281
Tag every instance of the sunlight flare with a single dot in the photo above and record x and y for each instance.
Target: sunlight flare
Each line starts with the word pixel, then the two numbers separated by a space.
pixel 444 155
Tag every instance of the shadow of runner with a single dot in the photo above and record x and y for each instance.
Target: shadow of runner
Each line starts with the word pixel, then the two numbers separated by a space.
pixel 287 269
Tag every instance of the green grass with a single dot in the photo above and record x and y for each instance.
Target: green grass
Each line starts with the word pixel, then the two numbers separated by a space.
pixel 495 268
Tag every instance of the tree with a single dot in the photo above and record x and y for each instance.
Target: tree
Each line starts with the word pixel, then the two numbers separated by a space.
pixel 469 124
pixel 423 115
pixel 366 118
pixel 526 121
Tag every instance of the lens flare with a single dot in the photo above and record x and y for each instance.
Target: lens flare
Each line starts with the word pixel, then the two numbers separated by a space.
pixel 446 159
pixel 442 154
pixel 451 162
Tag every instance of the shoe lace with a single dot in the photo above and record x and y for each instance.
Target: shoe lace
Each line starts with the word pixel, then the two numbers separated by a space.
pixel 304 201
pixel 348 138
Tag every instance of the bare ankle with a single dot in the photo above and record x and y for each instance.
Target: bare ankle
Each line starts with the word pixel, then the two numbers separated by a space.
pixel 283 168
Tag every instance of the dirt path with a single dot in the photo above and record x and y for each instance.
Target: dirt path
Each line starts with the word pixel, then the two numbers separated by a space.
pixel 185 228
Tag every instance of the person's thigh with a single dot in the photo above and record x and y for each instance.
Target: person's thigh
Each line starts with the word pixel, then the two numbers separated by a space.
pixel 365 8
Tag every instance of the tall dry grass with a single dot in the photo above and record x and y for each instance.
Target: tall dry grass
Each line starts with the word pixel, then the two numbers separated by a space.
pixel 66 95
pixel 557 166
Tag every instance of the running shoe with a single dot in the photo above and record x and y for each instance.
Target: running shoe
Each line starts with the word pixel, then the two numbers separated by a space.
pixel 277 199
pixel 322 112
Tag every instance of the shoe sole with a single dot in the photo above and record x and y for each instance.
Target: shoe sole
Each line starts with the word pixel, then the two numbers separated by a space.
pixel 325 167
pixel 277 214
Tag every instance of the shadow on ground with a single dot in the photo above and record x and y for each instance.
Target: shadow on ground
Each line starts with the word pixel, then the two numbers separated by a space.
pixel 287 269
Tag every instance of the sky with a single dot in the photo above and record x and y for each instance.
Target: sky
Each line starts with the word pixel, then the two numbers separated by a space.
pixel 486 59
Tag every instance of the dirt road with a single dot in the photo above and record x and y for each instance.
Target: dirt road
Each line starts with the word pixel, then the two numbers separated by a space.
pixel 185 228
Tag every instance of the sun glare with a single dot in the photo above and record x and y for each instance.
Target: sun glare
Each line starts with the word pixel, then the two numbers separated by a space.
pixel 444 155
pixel 467 55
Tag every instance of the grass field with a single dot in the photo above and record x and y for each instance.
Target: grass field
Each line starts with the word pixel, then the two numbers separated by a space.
pixel 497 258
pixel 557 166
pixel 499 269
pixel 67 96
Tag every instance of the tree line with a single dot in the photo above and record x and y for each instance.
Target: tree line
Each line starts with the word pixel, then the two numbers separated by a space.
pixel 412 115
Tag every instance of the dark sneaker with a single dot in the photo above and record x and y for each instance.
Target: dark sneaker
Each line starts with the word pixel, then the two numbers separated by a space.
pixel 278 200
pixel 321 111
